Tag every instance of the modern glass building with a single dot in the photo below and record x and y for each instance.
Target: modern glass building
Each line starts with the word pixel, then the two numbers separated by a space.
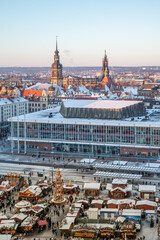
pixel 48 130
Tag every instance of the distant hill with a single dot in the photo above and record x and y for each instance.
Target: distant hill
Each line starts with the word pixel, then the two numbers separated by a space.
pixel 78 70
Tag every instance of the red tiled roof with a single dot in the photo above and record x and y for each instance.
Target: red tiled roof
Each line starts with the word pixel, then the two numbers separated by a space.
pixel 35 93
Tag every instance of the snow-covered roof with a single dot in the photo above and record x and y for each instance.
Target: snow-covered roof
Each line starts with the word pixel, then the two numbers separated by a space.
pixel 119 181
pixel 147 188
pixel 97 201
pixel 109 210
pixel 74 214
pixel 40 86
pixel 34 189
pixel 92 186
pixel 131 212
pixel 128 188
pixel 78 205
pixel 121 201
pixel 29 221
pixel 66 223
pixel 8 101
pixel 66 186
pixel 146 202
pixel 20 216
pixel 43 117
pixel 100 104
pixel 93 210
pixel 23 204
pixel 83 201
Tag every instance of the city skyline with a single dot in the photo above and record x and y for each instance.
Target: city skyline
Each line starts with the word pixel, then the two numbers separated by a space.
pixel 128 32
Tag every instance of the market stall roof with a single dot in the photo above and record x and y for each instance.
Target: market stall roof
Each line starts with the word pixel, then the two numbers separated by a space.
pixel 97 201
pixel 67 222
pixel 117 174
pixel 23 204
pixel 119 181
pixel 42 223
pixel 120 219
pixel 146 202
pixel 3 217
pixel 84 201
pixel 147 188
pixel 19 216
pixel 121 201
pixel 92 185
pixel 66 186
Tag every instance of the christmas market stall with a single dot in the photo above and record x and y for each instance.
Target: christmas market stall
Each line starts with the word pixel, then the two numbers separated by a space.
pixel 45 185
pixel 132 215
pixel 67 225
pixel 85 231
pixel 69 188
pixel 97 203
pixel 4 185
pixel 28 224
pixel 39 209
pixel 128 230
pixel 19 218
pixel 76 208
pixel 92 189
pixel 84 202
pixel 107 230
pixel 15 179
pixel 6 188
pixel 23 206
pixel 31 193
pixel 8 227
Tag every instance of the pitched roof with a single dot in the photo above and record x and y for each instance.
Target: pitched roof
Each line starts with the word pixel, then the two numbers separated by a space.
pixel 119 181
pixel 147 188
pixel 35 93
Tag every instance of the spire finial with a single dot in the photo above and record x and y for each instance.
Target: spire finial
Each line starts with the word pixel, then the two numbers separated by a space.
pixel 105 52
pixel 56 44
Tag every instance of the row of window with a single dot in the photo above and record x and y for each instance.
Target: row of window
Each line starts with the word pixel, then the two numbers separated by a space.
pixel 102 134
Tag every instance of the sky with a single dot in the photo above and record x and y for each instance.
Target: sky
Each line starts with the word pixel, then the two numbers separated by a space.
pixel 128 30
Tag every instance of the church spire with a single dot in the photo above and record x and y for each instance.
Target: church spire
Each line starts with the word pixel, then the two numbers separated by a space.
pixel 105 69
pixel 56 45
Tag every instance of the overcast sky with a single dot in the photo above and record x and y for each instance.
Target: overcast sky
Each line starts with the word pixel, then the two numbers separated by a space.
pixel 128 30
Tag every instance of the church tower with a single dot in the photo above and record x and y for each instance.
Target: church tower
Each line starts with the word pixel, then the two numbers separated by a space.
pixel 57 76
pixel 105 69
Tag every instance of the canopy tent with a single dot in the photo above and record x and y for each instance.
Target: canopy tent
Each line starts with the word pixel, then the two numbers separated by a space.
pixel 42 223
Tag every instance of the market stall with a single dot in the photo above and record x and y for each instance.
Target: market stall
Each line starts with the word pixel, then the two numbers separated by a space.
pixel 69 188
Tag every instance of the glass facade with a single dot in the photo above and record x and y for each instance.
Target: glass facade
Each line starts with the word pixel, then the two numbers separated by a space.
pixel 89 134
